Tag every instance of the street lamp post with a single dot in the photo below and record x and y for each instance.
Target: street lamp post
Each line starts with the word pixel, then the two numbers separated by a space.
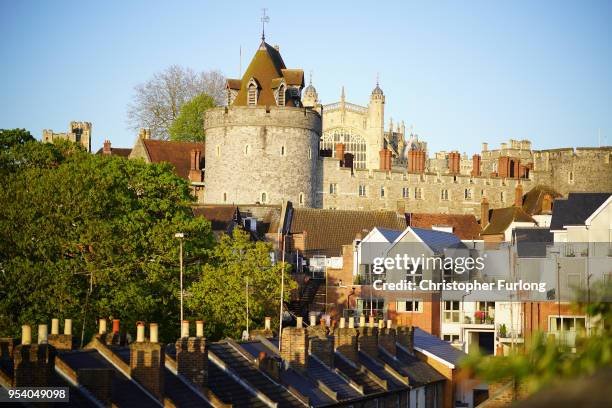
pixel 181 236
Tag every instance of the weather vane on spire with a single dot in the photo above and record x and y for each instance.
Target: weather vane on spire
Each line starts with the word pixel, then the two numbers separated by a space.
pixel 264 19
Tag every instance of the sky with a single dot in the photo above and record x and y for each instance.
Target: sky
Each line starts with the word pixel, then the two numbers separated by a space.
pixel 460 73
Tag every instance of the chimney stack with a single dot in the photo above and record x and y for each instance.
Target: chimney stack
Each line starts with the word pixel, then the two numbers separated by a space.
pixel 185 328
pixel 313 320
pixel 195 172
pixel 484 213
pixel 368 337
pixel 387 338
pixel 42 334
pixel 345 340
pixel 107 147
pixel 518 195
pixel 192 355
pixel 116 326
pixel 294 347
pixel 476 165
pixel 33 364
pixel 405 337
pixel 147 363
pixel 61 341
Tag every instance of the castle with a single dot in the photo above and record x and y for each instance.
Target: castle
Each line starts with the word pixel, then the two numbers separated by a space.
pixel 275 142
pixel 78 132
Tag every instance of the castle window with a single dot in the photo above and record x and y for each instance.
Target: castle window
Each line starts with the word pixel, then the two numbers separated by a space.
pixel 225 197
pixel 218 151
pixel 418 193
pixel 444 194
pixel 282 151
pixel 310 152
pixel 247 150
pixel 382 191
pixel 264 198
pixel 362 190
pixel 281 95
pixel 301 199
pixel 252 93
pixel 406 192
pixel 333 188
pixel 467 194
pixel 502 197
pixel 570 178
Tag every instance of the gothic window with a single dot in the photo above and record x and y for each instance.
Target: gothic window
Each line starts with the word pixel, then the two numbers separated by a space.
pixel 362 190
pixel 225 197
pixel 252 93
pixel 570 177
pixel 418 193
pixel 502 197
pixel 281 95
pixel 353 143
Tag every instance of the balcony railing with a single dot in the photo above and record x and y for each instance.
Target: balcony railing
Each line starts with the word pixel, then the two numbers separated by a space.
pixel 565 337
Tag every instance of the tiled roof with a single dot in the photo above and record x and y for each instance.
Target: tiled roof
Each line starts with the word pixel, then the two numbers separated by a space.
pixel 532 201
pixel 266 66
pixel 417 371
pixel 438 241
pixel 176 153
pixel 294 76
pixel 532 242
pixel 233 83
pixel 328 230
pixel 501 218
pixel 437 346
pixel 575 209
pixel 221 217
pixel 117 151
pixel 464 226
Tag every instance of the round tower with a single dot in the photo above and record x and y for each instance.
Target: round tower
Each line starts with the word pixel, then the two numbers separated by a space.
pixel 263 147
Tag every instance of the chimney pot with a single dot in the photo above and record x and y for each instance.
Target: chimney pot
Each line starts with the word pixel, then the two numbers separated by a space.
pixel 351 322
pixel 42 334
pixel 299 322
pixel 185 328
pixel 199 328
pixel 381 324
pixel 362 321
pixel 26 334
pixel 140 332
pixel 371 321
pixel 322 322
pixel 313 320
pixel 153 332
pixel 54 326
pixel 268 323
pixel 116 326
pixel 68 327
pixel 262 355
pixel 102 327
pixel 389 324
pixel 342 322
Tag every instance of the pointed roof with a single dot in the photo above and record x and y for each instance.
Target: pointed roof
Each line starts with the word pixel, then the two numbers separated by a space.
pixel 268 69
pixel 502 218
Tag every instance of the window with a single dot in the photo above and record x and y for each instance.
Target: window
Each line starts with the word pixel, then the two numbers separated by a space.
pixel 451 311
pixel 566 328
pixel 374 304
pixel 333 188
pixel 247 150
pixel 362 190
pixel 252 93
pixel 405 192
pixel 282 151
pixel 225 197
pixel 502 197
pixel 418 193
pixel 301 199
pixel 450 337
pixel 218 150
pixel 570 177
pixel 444 194
pixel 310 153
pixel 467 194
pixel 281 95
pixel 382 191
pixel 412 305
pixel 264 198
pixel 414 275
pixel 354 143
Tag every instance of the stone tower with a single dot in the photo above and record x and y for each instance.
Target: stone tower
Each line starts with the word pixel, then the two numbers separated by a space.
pixel 263 147
pixel 78 132
pixel 376 125
pixel 310 98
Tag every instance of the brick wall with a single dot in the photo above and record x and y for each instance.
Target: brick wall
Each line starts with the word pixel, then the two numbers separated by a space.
pixel 33 365
pixel 146 366
pixel 192 360
pixel 345 341
pixel 294 347
pixel 98 381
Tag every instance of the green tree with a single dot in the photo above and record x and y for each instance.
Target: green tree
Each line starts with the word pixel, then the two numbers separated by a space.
pixel 189 125
pixel 85 236
pixel 220 293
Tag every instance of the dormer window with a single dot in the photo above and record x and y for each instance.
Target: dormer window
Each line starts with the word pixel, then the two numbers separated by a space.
pixel 281 95
pixel 252 93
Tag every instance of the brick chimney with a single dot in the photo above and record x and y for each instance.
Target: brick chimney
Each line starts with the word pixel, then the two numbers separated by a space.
pixel 61 341
pixel 195 172
pixel 107 147
pixel 518 195
pixel 345 340
pixel 503 166
pixel 547 204
pixel 385 159
pixel 294 348
pixel 144 133
pixel 368 338
pixel 454 162
pixel 484 212
pixel 147 362
pixel 192 357
pixel 340 149
pixel 405 337
pixel 319 344
pixel 387 338
pixel 416 161
pixel 476 165
pixel 33 364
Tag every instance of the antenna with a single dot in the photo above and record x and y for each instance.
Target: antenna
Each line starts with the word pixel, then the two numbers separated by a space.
pixel 377 78
pixel 311 77
pixel 264 19
pixel 240 66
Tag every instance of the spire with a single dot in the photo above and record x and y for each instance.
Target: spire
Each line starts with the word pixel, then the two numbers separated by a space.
pixel 264 19
pixel 342 95
pixel 310 81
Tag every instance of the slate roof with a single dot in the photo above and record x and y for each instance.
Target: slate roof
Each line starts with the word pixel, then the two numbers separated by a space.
pixel 438 241
pixel 117 151
pixel 575 209
pixel 418 372
pixel 176 153
pixel 532 242
pixel 501 218
pixel 437 346
pixel 532 201
pixel 328 230
pixel 388 234
pixel 266 66
pixel 464 226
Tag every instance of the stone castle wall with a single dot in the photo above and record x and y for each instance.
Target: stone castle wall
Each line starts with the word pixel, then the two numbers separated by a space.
pixel 498 191
pixel 251 151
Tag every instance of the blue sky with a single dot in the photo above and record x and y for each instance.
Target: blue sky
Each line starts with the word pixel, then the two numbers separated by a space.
pixel 460 72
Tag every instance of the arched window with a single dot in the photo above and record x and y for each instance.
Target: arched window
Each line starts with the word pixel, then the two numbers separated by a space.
pixel 264 198
pixel 354 144
pixel 252 93
pixel 301 199
pixel 570 177
pixel 281 95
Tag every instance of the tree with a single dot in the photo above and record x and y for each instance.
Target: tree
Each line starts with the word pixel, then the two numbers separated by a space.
pixel 157 102
pixel 189 125
pixel 219 295
pixel 85 236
